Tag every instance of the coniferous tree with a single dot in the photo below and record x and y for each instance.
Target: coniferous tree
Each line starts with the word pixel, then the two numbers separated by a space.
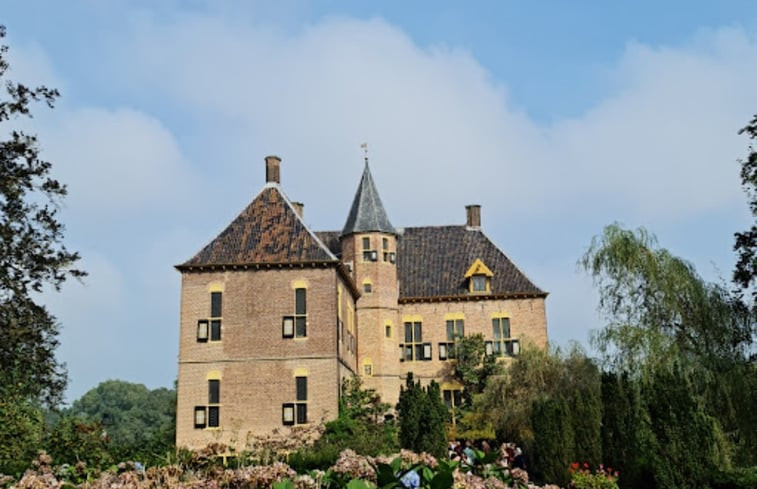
pixel 423 417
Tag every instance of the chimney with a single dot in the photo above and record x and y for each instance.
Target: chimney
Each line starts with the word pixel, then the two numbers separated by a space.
pixel 473 213
pixel 299 207
pixel 272 169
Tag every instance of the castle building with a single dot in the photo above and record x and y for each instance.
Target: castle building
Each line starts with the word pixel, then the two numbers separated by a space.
pixel 275 315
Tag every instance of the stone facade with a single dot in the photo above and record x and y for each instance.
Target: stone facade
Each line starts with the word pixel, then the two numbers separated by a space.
pixel 274 316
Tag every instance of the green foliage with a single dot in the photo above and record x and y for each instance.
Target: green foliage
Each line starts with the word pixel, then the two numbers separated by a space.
pixel 31 249
pixel 553 438
pixel 422 418
pixel 21 428
pixel 744 478
pixel 581 477
pixel 472 367
pixel 658 307
pixel 72 441
pixel 625 429
pixel 139 423
pixel 682 447
pixel 360 426
pixel 745 271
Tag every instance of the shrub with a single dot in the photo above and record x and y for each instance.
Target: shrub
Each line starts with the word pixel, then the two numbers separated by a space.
pixel 581 477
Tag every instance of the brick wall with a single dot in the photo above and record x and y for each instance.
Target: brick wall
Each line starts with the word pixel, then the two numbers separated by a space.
pixel 256 365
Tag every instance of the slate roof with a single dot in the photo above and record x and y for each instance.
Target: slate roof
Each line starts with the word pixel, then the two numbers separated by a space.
pixel 432 261
pixel 266 231
pixel 367 212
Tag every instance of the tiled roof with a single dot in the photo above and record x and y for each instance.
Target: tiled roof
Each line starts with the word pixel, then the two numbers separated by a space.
pixel 432 261
pixel 367 212
pixel 267 231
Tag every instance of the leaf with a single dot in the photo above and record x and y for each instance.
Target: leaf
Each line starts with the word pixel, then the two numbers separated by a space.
pixel 442 480
pixel 285 484
pixel 385 475
pixel 358 484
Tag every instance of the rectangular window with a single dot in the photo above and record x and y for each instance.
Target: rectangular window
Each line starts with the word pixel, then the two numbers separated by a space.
pixel 455 331
pixel 414 349
pixel 214 391
pixel 368 253
pixel 202 330
pixel 200 417
pixel 302 388
pixel 215 330
pixel 388 331
pixel 297 412
pixel 214 417
pixel 302 413
pixel 503 344
pixel 287 414
pixel 453 398
pixel 296 326
pixel 479 283
pixel 215 304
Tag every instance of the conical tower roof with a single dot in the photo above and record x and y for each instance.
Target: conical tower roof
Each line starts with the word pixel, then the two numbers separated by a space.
pixel 367 212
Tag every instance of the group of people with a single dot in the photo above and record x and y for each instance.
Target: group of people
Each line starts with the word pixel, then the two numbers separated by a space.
pixel 510 455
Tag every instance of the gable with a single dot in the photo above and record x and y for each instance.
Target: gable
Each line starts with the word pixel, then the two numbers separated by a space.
pixel 267 231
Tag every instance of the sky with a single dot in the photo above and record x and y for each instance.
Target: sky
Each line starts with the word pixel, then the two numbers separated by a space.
pixel 558 118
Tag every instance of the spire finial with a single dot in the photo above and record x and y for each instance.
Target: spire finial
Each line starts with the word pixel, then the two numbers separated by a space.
pixel 364 147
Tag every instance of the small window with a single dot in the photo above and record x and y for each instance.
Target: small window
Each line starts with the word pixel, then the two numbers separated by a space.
pixel 214 417
pixel 366 243
pixel 388 330
pixel 385 243
pixel 214 391
pixel 367 287
pixel 215 304
pixel 302 413
pixel 202 330
pixel 368 369
pixel 414 349
pixel 215 330
pixel 479 283
pixel 200 417
pixel 302 388
pixel 287 414
pixel 296 326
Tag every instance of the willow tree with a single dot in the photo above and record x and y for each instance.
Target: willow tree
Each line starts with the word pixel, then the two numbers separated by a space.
pixel 663 317
pixel 658 308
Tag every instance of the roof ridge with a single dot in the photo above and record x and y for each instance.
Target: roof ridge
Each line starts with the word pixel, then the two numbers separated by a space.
pixel 302 221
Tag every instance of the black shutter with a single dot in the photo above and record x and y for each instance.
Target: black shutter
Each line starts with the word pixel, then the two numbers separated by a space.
pixel 302 413
pixel 214 391
pixel 214 416
pixel 215 304
pixel 302 388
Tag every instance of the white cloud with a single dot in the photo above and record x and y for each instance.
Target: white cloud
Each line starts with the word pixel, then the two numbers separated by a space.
pixel 442 133
pixel 117 163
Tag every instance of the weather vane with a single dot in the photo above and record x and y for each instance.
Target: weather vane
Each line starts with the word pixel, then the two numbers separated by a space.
pixel 364 147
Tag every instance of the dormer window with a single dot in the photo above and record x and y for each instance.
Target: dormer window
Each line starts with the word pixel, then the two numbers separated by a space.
pixel 479 278
pixel 479 283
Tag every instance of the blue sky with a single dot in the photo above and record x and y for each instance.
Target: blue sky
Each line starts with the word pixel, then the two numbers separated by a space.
pixel 557 117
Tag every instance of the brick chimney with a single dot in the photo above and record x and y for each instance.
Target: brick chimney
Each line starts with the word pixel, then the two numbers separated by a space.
pixel 299 207
pixel 272 169
pixel 473 214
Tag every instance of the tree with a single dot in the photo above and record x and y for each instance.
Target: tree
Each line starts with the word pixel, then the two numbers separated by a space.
pixel 745 272
pixel 422 418
pixel 659 309
pixel 139 424
pixel 31 248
